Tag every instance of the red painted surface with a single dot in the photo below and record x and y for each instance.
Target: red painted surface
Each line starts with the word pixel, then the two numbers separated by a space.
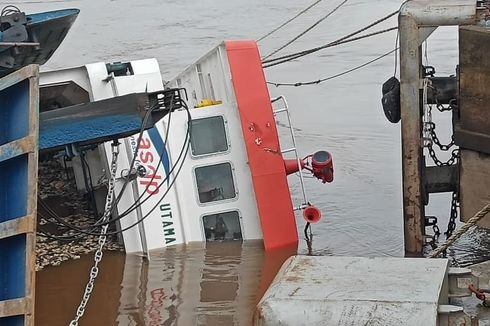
pixel 262 142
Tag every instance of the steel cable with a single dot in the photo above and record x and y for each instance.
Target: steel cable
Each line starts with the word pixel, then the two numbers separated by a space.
pixel 289 20
pixel 316 82
pixel 305 31
pixel 292 56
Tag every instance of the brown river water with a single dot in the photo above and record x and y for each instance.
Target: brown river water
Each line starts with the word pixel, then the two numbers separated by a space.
pixel 220 284
pixel 185 285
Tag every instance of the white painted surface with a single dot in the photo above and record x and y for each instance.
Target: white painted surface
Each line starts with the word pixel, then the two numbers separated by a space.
pixel 355 291
pixel 176 218
pixel 210 78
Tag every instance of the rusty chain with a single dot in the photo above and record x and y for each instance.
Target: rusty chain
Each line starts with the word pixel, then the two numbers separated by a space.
pixel 451 225
pixel 432 221
pixel 430 127
pixel 455 155
pixel 431 140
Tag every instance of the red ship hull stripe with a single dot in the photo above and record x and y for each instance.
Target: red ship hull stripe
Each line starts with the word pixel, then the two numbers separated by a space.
pixel 262 143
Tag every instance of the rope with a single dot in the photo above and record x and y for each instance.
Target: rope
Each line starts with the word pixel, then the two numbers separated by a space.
pixel 456 235
pixel 292 56
pixel 307 30
pixel 290 20
pixel 316 82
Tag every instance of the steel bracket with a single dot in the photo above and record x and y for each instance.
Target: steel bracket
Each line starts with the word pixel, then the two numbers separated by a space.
pixel 438 179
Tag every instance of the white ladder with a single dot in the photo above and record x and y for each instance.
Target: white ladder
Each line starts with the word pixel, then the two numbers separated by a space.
pixel 285 109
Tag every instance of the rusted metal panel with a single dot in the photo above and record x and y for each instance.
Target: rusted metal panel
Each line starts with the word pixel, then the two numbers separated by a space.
pixel 13 307
pixel 474 186
pixel 325 290
pixel 19 76
pixel 16 148
pixel 17 226
pixel 479 142
pixel 472 123
pixel 474 78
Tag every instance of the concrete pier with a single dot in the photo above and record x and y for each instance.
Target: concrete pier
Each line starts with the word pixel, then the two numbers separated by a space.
pixel 325 290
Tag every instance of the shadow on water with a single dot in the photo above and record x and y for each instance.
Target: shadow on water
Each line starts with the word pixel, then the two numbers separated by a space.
pixel 219 284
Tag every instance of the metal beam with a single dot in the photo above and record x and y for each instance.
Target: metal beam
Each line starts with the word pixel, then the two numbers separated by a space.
pixel 440 179
pixel 17 226
pixel 477 141
pixel 442 90
pixel 440 12
pixel 413 207
pixel 100 121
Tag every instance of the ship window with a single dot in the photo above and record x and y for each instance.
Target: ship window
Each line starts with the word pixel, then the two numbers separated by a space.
pixel 222 226
pixel 215 182
pixel 208 136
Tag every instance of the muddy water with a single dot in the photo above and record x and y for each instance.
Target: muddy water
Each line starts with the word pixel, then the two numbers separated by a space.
pixel 362 208
pixel 192 285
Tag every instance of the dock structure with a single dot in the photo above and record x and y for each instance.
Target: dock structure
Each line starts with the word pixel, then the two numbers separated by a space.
pixel 418 19
pixel 19 95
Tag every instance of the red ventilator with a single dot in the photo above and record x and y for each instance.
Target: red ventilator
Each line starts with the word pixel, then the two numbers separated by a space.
pixel 322 166
pixel 319 164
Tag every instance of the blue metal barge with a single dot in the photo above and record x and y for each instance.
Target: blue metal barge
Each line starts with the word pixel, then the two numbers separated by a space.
pixel 19 94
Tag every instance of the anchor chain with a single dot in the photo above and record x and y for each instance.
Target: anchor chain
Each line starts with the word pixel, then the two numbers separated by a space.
pixel 451 225
pixel 430 139
pixel 430 128
pixel 94 271
pixel 432 221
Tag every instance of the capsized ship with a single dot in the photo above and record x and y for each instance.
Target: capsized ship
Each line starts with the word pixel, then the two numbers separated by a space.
pixel 211 170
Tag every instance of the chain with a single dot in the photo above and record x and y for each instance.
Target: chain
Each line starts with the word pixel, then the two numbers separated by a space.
pixel 94 271
pixel 431 139
pixel 432 221
pixel 309 238
pixel 452 105
pixel 451 225
pixel 454 157
pixel 431 126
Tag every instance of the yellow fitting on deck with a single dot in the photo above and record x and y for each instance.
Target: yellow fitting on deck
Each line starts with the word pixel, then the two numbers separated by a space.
pixel 208 102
